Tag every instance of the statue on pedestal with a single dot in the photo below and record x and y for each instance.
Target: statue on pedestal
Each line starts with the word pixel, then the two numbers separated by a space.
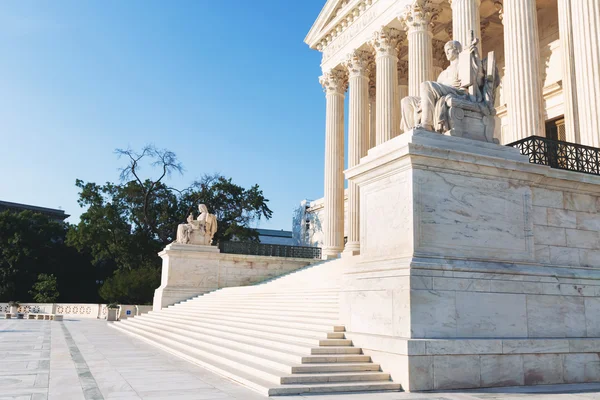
pixel 199 231
pixel 461 101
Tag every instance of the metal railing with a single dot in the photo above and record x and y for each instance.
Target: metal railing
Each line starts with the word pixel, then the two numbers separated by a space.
pixel 560 155
pixel 270 250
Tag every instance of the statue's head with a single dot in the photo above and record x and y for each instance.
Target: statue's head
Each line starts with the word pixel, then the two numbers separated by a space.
pixel 202 208
pixel 452 49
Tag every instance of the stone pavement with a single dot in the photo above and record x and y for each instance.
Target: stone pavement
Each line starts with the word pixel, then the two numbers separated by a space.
pixel 85 359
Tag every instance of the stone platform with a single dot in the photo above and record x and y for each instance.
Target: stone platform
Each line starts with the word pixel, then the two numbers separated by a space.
pixel 84 359
pixel 477 268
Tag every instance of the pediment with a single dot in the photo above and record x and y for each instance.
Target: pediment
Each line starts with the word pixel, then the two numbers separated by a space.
pixel 330 12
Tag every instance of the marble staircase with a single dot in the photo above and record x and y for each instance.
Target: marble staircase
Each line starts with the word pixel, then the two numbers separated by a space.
pixel 281 337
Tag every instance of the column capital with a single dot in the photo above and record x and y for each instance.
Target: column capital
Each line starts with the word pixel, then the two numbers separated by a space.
pixel 358 63
pixel 419 16
pixel 385 41
pixel 334 81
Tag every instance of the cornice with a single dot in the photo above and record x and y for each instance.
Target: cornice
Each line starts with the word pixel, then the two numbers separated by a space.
pixel 320 36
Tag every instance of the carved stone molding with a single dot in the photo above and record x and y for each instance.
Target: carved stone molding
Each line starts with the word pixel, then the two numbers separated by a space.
pixel 385 41
pixel 419 16
pixel 334 81
pixel 348 15
pixel 358 63
pixel 402 71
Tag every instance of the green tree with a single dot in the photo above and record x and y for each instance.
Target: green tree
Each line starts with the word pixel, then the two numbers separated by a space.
pixel 131 286
pixel 32 244
pixel 45 290
pixel 126 224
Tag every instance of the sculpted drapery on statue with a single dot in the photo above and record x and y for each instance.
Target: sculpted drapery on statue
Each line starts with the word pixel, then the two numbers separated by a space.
pixel 461 101
pixel 199 231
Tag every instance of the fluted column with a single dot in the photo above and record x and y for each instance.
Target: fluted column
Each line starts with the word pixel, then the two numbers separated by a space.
pixel 521 49
pixel 569 81
pixel 386 60
pixel 466 18
pixel 358 139
pixel 335 83
pixel 417 19
pixel 586 28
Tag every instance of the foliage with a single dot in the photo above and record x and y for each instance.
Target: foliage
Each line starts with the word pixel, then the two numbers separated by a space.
pixel 131 286
pixel 14 303
pixel 112 306
pixel 32 244
pixel 45 290
pixel 126 224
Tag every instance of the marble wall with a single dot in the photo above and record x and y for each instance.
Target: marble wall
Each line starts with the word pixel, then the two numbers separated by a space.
pixel 477 268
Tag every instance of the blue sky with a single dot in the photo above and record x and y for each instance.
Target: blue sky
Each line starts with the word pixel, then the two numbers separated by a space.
pixel 229 86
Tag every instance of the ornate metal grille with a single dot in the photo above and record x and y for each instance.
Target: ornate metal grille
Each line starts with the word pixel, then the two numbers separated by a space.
pixel 271 250
pixel 559 154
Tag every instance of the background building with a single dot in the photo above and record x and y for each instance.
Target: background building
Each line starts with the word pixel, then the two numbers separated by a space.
pixel 55 214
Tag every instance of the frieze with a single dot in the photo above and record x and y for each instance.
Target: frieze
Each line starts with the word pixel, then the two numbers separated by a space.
pixel 362 22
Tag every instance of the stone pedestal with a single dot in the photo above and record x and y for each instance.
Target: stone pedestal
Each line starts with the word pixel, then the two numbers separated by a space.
pixel 191 270
pixel 477 268
pixel 186 273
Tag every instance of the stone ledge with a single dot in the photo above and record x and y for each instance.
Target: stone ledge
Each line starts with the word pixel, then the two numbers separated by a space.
pixel 484 346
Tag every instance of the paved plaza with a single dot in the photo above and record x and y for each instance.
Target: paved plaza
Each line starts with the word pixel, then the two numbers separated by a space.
pixel 85 359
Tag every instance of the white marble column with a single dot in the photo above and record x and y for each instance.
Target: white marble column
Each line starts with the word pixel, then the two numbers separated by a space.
pixel 417 20
pixel 358 139
pixel 335 83
pixel 386 60
pixel 524 84
pixel 585 15
pixel 569 81
pixel 466 18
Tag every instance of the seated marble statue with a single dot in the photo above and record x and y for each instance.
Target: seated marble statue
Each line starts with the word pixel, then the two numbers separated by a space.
pixel 199 231
pixel 461 101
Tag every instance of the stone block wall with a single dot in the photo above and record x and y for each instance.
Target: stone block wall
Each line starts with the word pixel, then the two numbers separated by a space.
pixel 477 268
pixel 566 228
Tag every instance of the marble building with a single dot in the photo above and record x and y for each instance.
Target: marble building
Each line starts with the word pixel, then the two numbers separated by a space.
pixel 376 52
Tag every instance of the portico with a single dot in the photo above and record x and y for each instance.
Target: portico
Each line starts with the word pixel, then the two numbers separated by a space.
pixel 385 49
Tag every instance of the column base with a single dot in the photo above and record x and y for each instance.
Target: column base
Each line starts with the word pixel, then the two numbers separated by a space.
pixel 330 253
pixel 351 250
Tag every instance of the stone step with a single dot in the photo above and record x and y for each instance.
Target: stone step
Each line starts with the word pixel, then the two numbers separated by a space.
pixel 336 377
pixel 248 328
pixel 272 370
pixel 244 365
pixel 239 374
pixel 264 317
pixel 263 302
pixel 255 321
pixel 327 314
pixel 242 343
pixel 282 293
pixel 334 367
pixel 298 309
pixel 249 336
pixel 335 350
pixel 344 387
pixel 336 358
